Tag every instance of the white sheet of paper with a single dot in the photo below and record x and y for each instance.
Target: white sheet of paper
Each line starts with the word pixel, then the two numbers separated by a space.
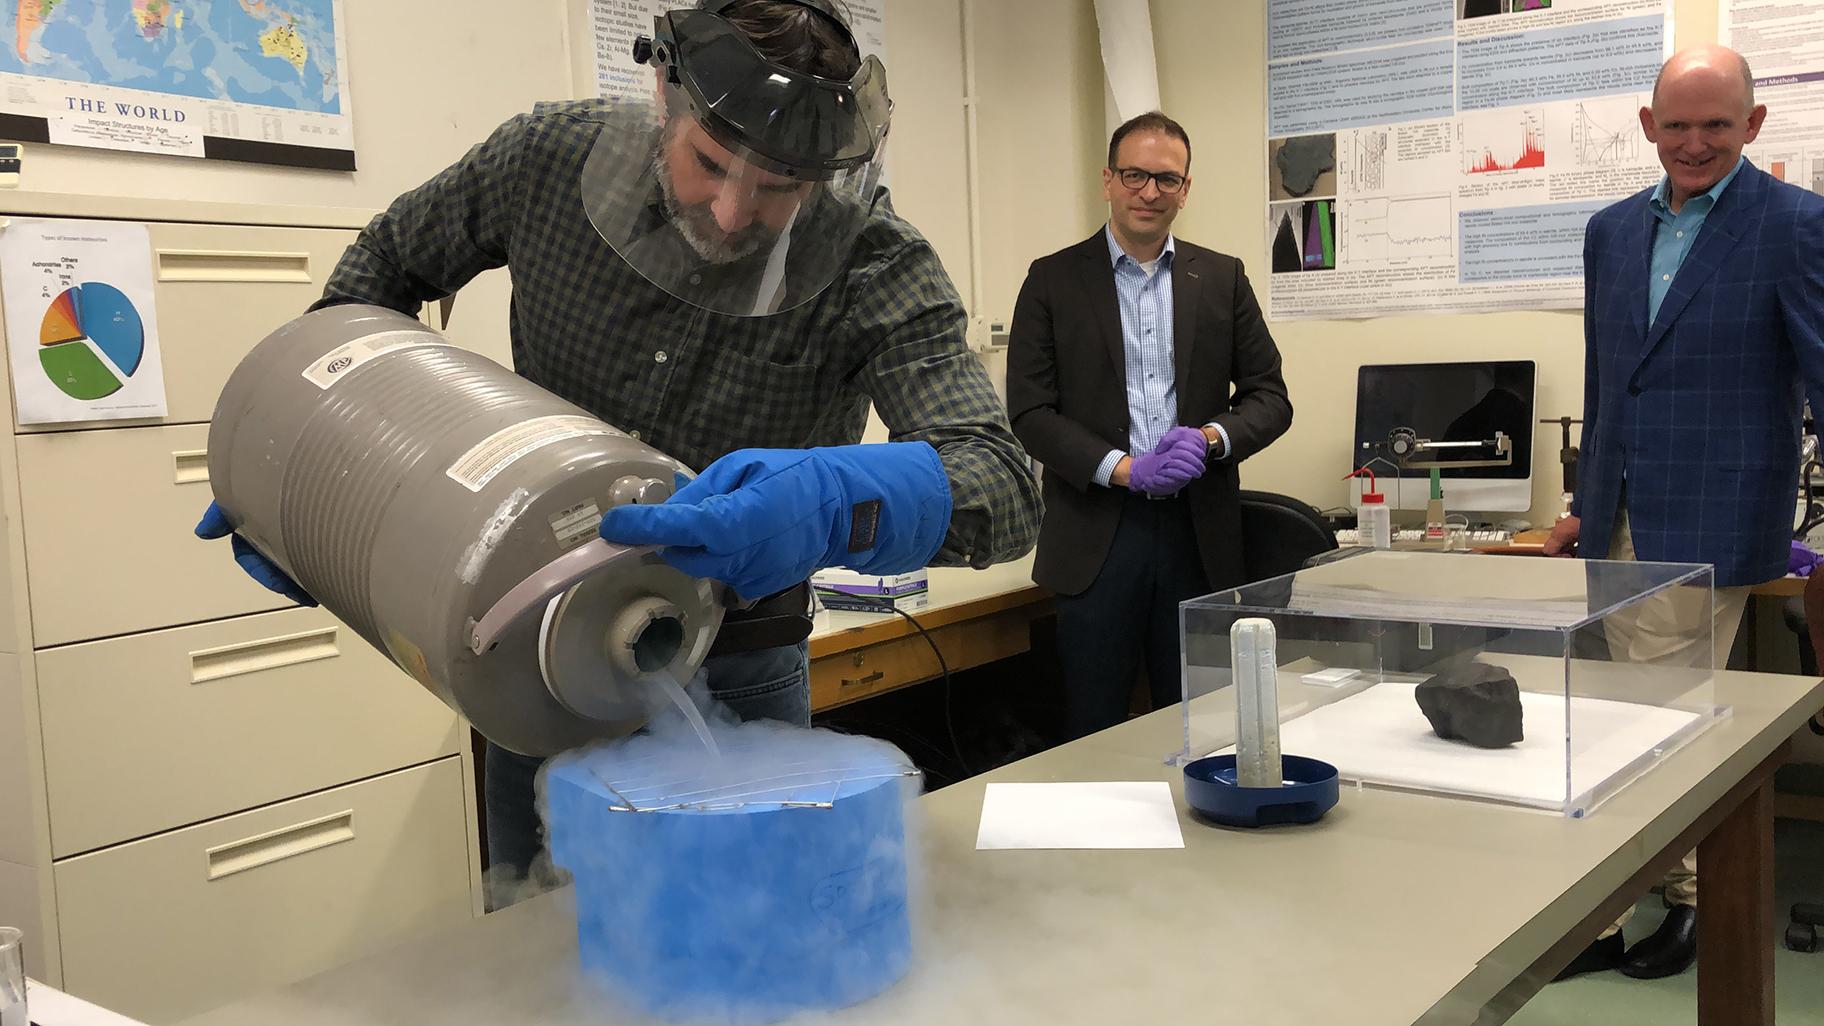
pixel 80 324
pixel 1108 814
pixel 52 1007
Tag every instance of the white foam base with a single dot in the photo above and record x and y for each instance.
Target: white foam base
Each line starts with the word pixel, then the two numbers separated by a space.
pixel 1379 736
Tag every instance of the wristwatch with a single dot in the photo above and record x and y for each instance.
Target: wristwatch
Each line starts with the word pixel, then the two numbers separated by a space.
pixel 1212 446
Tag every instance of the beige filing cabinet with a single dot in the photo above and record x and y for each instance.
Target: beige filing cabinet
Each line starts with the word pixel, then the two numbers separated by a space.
pixel 205 791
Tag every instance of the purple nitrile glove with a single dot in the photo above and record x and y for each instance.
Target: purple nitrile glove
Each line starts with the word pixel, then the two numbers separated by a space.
pixel 1801 561
pixel 1175 462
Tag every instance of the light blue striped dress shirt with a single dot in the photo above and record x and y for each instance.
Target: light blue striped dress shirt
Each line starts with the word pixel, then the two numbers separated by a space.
pixel 1148 346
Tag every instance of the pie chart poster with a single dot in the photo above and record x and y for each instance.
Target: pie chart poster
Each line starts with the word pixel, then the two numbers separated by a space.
pixel 81 331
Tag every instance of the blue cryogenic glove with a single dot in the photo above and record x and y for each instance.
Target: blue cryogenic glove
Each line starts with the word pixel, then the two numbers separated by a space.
pixel 215 525
pixel 762 520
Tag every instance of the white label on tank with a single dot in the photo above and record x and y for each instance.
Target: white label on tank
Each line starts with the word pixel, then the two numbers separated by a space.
pixel 338 362
pixel 499 450
pixel 576 524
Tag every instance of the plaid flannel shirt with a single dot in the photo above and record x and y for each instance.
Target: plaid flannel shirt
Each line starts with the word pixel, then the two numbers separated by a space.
pixel 692 383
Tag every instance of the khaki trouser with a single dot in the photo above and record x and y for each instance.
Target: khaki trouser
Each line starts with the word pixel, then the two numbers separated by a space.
pixel 1659 633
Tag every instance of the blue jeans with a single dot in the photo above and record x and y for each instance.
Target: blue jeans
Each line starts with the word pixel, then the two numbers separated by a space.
pixel 770 684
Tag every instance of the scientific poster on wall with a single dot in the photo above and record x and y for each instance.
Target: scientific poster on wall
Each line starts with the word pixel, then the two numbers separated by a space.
pixel 1443 156
pixel 1784 43
pixel 258 80
pixel 618 22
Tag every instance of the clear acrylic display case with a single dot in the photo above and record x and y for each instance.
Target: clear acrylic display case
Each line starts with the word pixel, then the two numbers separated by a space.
pixel 1612 661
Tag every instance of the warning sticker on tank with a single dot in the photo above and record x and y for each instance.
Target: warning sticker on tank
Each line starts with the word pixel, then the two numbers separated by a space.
pixel 338 362
pixel 576 524
pixel 499 450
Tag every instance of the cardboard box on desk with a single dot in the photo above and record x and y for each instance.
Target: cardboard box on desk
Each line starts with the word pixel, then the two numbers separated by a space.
pixel 851 591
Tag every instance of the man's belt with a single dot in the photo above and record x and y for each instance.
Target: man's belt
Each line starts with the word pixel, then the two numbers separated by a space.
pixel 782 618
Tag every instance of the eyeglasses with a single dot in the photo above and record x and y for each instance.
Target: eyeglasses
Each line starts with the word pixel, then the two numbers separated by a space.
pixel 1135 179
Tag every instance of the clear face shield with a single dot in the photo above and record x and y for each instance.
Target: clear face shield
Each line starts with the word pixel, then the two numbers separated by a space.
pixel 741 186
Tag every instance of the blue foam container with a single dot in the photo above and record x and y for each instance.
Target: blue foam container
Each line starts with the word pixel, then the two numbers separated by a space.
pixel 1310 790
pixel 743 907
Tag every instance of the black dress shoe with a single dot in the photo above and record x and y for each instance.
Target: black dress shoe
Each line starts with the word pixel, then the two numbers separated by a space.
pixel 1669 951
pixel 1600 955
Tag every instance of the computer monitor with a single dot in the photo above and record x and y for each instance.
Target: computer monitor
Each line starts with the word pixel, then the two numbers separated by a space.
pixel 1465 403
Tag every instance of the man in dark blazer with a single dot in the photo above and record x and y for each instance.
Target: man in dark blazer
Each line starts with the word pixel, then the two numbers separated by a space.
pixel 1140 373
pixel 1703 325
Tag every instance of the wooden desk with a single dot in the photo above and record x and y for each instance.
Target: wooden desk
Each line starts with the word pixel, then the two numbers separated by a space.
pixel 1531 543
pixel 1780 587
pixel 975 617
pixel 1395 909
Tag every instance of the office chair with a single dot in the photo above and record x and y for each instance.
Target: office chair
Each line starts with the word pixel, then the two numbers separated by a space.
pixel 1279 534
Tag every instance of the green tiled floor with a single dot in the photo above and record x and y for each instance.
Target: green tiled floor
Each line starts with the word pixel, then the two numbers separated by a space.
pixel 1615 1000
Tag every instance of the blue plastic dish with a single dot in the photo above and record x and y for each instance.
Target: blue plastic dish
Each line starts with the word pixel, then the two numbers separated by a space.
pixel 1310 791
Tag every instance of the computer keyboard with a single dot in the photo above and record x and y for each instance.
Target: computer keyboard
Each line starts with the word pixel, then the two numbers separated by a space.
pixel 1477 536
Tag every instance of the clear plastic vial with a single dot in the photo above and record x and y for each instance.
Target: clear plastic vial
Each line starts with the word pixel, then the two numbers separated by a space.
pixel 1255 663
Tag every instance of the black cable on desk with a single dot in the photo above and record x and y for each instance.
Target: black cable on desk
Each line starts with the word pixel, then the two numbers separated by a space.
pixel 886 605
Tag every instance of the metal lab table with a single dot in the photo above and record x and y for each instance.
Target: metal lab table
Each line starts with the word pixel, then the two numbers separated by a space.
pixel 1395 909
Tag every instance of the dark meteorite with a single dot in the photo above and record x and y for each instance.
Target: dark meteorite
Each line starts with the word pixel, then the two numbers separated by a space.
pixel 1478 703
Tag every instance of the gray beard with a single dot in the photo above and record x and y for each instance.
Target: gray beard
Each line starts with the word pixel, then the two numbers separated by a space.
pixel 698 227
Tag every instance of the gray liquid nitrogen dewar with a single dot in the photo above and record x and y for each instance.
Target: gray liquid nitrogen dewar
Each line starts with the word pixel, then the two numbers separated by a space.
pixel 445 509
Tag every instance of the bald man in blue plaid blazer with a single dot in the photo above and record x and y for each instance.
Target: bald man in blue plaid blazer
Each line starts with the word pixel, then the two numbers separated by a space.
pixel 1703 331
pixel 1695 415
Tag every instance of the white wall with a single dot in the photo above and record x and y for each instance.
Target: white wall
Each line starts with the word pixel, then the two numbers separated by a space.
pixel 926 171
pixel 1039 74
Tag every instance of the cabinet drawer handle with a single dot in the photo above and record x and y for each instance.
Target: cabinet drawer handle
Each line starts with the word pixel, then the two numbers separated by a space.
pixel 232 265
pixel 266 654
pixel 265 849
pixel 855 682
pixel 192 466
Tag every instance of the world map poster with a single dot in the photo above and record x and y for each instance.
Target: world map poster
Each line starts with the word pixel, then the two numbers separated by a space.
pixel 258 80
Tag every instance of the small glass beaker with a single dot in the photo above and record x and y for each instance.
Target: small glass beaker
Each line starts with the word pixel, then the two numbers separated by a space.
pixel 12 977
